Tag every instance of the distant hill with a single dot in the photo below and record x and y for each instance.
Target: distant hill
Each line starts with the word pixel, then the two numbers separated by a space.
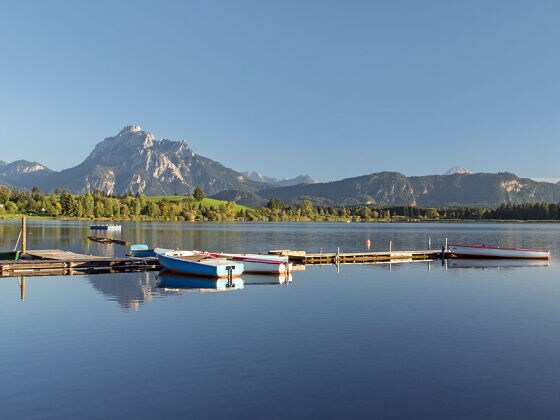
pixel 242 197
pixel 392 188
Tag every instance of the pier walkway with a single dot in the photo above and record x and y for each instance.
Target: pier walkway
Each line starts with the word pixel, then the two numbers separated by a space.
pixel 301 257
pixel 59 262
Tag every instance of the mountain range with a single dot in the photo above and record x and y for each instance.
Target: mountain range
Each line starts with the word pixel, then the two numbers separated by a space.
pixel 135 161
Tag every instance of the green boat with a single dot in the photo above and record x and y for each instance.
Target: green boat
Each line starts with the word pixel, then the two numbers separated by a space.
pixel 10 255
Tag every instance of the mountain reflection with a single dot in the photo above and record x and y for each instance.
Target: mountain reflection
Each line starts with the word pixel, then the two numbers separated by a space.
pixel 130 290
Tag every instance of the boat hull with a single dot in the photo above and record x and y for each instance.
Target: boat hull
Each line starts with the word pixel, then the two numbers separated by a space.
pixel 188 262
pixel 10 255
pixel 258 264
pixel 484 251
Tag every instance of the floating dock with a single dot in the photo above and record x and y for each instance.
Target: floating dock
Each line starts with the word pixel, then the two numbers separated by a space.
pixel 301 257
pixel 52 262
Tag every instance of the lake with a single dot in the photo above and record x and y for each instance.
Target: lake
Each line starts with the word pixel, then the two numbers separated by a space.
pixel 400 340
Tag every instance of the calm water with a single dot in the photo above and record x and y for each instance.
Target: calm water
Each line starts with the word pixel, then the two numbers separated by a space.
pixel 408 340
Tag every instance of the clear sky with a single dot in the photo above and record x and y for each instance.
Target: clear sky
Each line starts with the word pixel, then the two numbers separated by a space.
pixel 333 89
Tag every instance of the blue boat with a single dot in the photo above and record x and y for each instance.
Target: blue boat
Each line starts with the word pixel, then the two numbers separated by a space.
pixel 169 280
pixel 194 263
pixel 142 251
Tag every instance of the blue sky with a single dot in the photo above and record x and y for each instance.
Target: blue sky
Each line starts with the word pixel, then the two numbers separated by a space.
pixel 333 89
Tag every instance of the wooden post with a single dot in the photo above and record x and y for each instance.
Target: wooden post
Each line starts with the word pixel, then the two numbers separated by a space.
pixel 23 235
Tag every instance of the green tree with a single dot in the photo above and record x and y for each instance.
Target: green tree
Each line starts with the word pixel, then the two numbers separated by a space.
pixel 198 194
pixel 275 204
pixel 88 204
pixel 67 203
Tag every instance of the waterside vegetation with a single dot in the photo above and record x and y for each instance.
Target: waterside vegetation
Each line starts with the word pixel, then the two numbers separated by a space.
pixel 99 206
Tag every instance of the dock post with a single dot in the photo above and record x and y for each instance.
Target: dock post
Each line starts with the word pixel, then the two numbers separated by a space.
pixel 390 247
pixel 22 287
pixel 429 243
pixel 23 235
pixel 446 247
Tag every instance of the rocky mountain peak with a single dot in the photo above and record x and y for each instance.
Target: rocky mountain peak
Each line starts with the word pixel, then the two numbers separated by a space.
pixel 130 129
pixel 457 170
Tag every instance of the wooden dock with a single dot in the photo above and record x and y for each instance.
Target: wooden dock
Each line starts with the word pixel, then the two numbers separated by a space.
pixel 301 257
pixel 57 262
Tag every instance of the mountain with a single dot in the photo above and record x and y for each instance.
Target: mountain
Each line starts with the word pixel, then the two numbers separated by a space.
pixel 392 189
pixel 457 170
pixel 284 182
pixel 135 161
pixel 23 173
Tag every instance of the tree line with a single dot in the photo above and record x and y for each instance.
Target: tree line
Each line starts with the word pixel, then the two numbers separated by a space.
pixel 98 205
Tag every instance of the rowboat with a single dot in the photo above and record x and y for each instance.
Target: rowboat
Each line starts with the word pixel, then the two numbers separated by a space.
pixel 10 255
pixel 256 263
pixel 486 251
pixel 177 282
pixel 192 262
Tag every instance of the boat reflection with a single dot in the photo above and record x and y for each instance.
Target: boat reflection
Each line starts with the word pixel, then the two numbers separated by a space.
pixel 172 282
pixel 469 263
pixel 268 279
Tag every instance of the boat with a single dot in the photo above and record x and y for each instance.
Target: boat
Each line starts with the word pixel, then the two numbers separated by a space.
pixel 176 282
pixel 257 263
pixel 194 263
pixel 105 227
pixel 486 251
pixel 10 255
pixel 141 251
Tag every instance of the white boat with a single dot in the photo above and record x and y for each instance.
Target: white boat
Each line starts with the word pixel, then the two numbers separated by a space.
pixel 486 251
pixel 257 263
pixel 192 262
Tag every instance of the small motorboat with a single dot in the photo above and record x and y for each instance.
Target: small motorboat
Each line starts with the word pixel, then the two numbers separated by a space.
pixel 197 264
pixel 486 251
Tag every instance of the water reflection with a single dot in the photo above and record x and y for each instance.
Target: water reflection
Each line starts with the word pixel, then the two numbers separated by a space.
pixel 268 279
pixel 21 282
pixel 171 282
pixel 494 264
pixel 129 290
